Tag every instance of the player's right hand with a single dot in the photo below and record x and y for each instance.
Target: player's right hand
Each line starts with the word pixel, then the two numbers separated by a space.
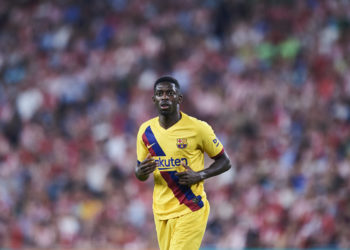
pixel 146 167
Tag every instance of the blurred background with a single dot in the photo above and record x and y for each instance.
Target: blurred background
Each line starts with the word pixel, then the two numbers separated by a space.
pixel 271 77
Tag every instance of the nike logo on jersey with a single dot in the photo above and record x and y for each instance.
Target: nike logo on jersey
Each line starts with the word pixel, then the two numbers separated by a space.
pixel 149 146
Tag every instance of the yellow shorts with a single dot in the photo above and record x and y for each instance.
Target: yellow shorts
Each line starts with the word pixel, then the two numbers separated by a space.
pixel 184 232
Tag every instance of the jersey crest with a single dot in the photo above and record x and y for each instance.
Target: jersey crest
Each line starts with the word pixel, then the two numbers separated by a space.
pixel 181 143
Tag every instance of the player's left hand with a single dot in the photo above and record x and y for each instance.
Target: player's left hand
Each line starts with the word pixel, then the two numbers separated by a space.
pixel 188 177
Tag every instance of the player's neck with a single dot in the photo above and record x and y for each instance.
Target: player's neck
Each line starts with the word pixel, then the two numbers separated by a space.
pixel 166 121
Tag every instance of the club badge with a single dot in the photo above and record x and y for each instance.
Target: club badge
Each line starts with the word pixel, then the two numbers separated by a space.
pixel 181 143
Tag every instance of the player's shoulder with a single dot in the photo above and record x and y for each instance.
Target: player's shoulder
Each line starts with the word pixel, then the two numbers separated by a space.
pixel 197 123
pixel 147 123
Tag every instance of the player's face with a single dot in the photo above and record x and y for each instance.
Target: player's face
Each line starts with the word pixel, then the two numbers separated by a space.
pixel 167 98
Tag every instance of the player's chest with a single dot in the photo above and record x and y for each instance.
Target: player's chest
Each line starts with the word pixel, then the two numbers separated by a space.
pixel 177 142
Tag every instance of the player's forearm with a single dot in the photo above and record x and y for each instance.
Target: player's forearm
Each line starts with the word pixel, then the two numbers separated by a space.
pixel 219 166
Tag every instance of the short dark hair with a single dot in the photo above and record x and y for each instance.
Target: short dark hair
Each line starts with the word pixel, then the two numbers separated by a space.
pixel 167 79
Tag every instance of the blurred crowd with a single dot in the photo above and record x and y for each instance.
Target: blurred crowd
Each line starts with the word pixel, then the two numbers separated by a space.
pixel 271 77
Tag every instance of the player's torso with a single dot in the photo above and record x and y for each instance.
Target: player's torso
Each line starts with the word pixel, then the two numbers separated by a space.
pixel 169 147
pixel 177 144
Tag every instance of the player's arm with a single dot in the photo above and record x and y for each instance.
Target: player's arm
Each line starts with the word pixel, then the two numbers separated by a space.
pixel 145 163
pixel 145 168
pixel 189 177
pixel 221 164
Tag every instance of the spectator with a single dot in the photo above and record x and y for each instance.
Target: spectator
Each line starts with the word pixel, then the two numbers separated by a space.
pixel 75 77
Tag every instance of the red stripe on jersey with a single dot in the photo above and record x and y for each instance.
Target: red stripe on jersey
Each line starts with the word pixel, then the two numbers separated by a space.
pixel 219 154
pixel 148 145
pixel 181 192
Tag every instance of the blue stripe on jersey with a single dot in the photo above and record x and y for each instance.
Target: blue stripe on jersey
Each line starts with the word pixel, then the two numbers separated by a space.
pixel 186 190
pixel 153 142
pixel 193 204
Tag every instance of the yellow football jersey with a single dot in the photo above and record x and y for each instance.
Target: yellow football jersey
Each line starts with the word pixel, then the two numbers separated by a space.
pixel 186 140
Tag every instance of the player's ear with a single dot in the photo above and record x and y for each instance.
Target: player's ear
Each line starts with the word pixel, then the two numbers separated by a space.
pixel 153 99
pixel 180 98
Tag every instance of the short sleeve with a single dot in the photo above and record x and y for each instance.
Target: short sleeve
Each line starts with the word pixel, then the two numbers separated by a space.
pixel 141 149
pixel 211 144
